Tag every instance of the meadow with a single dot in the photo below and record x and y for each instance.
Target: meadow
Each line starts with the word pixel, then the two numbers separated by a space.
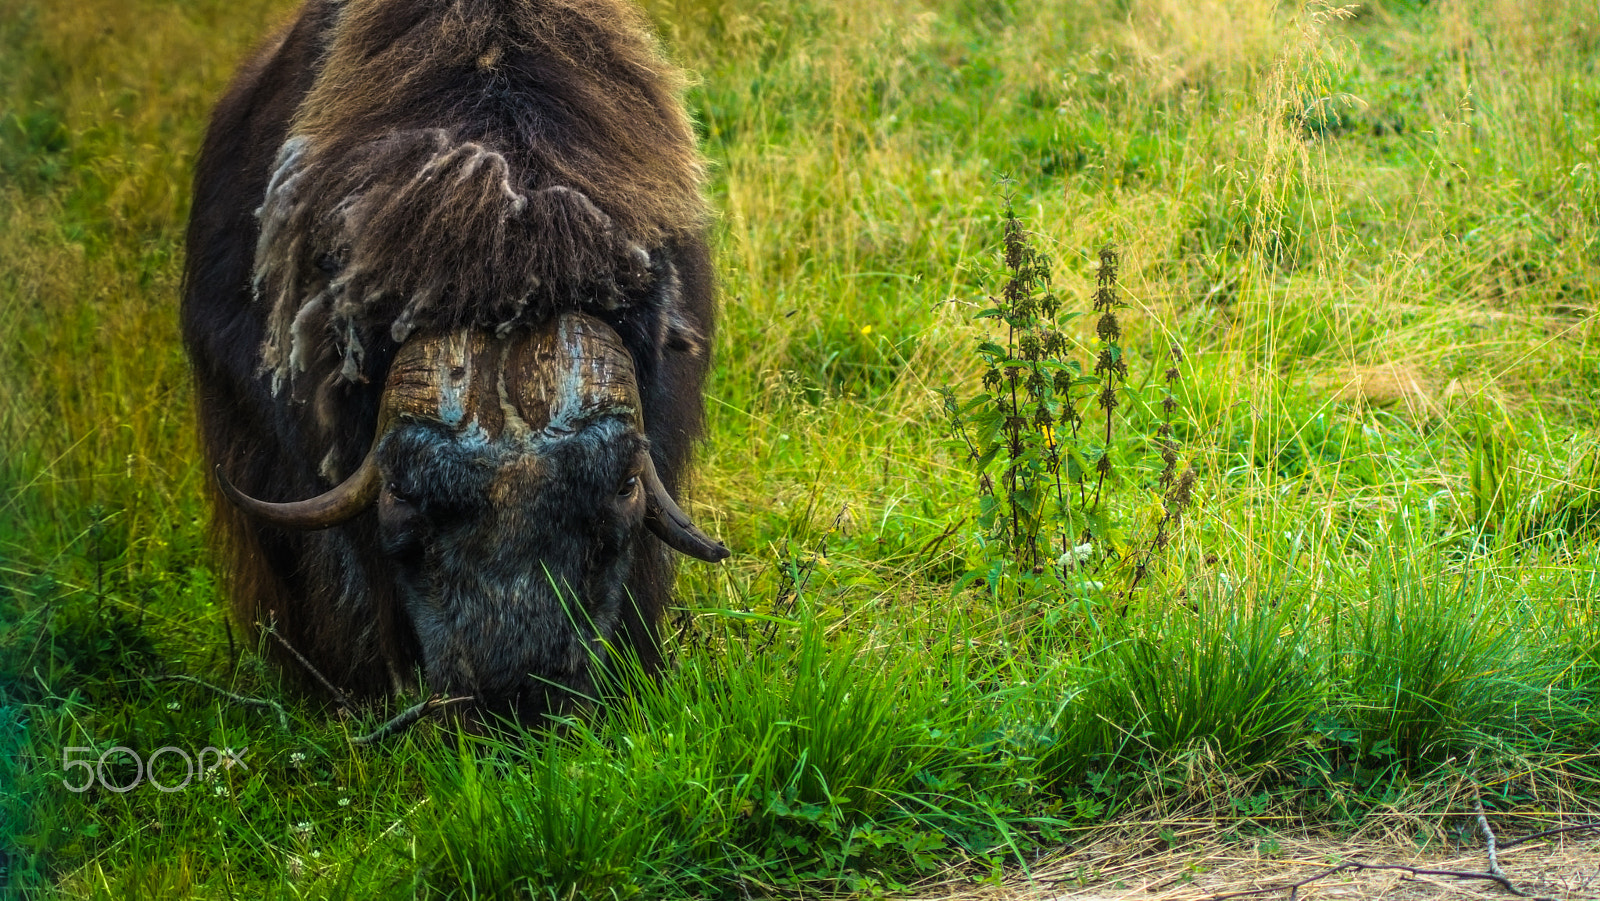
pixel 1373 231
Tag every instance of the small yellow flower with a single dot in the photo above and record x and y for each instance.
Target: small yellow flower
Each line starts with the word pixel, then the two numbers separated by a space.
pixel 866 330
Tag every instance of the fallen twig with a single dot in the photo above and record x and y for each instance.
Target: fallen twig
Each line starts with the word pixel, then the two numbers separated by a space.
pixel 1295 887
pixel 406 718
pixel 933 544
pixel 283 716
pixel 1488 838
pixel 1549 832
pixel 339 698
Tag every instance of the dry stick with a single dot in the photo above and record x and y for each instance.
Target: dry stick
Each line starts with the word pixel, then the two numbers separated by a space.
pixel 283 717
pixel 934 544
pixel 687 631
pixel 339 699
pixel 1549 832
pixel 1488 838
pixel 1295 887
pixel 406 718
pixel 400 822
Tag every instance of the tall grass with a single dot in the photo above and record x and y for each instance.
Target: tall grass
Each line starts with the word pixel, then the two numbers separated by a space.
pixel 1371 230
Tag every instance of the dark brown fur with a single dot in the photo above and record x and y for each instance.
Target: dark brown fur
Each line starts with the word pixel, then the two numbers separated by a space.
pixel 388 166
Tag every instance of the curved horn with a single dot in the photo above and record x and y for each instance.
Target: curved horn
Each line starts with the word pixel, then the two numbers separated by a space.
pixel 672 525
pixel 343 502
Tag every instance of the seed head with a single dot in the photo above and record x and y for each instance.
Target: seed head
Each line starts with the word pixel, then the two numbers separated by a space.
pixel 1054 343
pixel 1108 265
pixel 1030 346
pixel 1037 384
pixel 1111 362
pixel 1108 329
pixel 1182 493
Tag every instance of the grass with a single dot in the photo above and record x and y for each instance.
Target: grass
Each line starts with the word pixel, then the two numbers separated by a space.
pixel 1372 231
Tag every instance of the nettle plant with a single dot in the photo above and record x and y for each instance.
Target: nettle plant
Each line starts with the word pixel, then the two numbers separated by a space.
pixel 1071 497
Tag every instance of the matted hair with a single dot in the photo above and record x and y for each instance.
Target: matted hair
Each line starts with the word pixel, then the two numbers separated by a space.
pixel 567 164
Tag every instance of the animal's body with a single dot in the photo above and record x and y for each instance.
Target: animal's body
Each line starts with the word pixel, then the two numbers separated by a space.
pixel 500 201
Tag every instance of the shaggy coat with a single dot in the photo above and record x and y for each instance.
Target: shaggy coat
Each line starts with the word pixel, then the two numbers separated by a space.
pixel 386 167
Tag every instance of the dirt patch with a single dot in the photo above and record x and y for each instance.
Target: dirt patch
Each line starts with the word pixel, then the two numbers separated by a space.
pixel 1194 866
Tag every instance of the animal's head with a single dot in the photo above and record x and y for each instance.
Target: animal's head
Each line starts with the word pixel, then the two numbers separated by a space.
pixel 512 480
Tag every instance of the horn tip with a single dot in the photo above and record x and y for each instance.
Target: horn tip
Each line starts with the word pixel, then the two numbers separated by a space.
pixel 698 545
pixel 233 494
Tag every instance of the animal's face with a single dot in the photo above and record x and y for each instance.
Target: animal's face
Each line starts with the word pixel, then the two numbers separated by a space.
pixel 511 554
pixel 513 481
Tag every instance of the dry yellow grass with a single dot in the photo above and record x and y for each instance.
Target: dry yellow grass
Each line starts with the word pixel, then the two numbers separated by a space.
pixel 1130 863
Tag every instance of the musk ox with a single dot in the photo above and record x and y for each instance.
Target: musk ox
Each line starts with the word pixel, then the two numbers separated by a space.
pixel 449 301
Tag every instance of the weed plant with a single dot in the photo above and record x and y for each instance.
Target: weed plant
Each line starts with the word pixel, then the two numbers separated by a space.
pixel 1371 231
pixel 1046 478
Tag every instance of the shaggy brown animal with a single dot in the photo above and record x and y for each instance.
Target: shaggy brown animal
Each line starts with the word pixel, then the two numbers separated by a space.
pixel 389 174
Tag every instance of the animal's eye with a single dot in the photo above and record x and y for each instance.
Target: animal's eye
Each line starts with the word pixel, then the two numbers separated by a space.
pixel 628 486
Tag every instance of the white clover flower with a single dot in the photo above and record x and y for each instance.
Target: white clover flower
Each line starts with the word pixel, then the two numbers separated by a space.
pixel 1076 557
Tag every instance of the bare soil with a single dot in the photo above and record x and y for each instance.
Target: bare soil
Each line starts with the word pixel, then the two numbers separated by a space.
pixel 1205 862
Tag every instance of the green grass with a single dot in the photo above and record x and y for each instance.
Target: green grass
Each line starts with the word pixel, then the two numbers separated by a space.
pixel 1375 237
